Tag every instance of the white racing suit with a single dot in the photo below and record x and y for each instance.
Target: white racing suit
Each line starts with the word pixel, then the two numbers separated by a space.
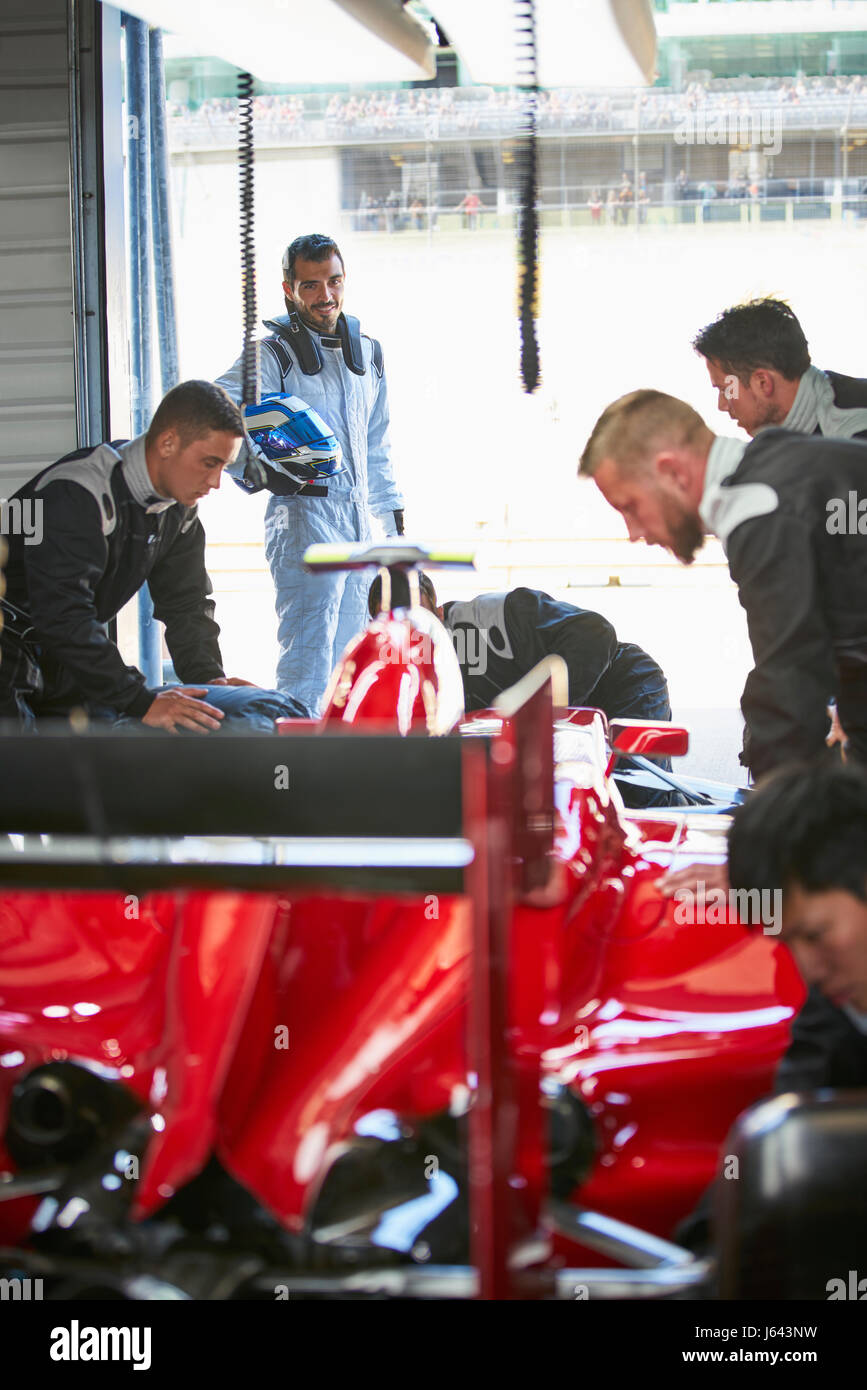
pixel 319 613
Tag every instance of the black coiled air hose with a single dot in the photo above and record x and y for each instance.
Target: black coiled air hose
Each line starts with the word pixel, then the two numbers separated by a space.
pixel 246 160
pixel 528 220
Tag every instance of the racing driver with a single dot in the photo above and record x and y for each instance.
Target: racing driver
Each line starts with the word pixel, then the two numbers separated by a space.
pixel 318 354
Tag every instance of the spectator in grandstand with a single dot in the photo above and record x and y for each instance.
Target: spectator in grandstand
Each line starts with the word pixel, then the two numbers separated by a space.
pixel 595 206
pixel 469 110
pixel 624 198
pixel 470 206
pixel 707 193
pixel 759 364
pixel 801 580
pixel 316 352
pixel 736 187
pixel 643 198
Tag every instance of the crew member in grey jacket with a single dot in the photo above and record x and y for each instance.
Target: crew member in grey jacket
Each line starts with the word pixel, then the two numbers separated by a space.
pixel 759 363
pixel 791 512
pixel 110 519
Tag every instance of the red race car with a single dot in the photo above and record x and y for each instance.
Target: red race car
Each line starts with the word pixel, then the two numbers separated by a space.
pixel 390 1005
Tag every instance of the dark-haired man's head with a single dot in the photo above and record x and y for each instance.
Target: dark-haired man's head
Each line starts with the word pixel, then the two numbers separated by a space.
pixel 756 354
pixel 803 831
pixel 400 594
pixel 314 281
pixel 196 430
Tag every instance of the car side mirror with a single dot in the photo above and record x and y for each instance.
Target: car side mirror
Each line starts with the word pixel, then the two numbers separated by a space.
pixel 649 738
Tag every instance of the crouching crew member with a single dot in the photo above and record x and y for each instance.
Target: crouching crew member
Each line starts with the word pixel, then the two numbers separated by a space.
pixel 498 638
pixel 111 519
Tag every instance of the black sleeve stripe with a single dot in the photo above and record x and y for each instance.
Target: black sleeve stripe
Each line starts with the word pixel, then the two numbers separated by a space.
pixel 284 361
pixel 376 353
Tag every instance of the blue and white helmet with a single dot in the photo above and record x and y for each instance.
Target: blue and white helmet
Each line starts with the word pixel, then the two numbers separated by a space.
pixel 289 434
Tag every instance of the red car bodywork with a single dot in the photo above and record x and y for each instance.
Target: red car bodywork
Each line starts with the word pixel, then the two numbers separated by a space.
pixel 265 1025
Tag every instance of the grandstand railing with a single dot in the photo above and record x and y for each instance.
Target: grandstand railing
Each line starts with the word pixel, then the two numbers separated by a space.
pixel 310 121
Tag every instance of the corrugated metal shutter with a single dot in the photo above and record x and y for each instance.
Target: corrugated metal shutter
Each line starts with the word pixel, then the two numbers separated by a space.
pixel 37 376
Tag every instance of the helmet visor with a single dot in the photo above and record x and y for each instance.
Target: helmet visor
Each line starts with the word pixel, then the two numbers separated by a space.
pixel 286 431
pixel 282 441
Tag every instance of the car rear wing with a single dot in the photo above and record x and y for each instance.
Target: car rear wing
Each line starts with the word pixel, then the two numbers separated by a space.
pixel 111 809
pixel 375 813
pixel 385 554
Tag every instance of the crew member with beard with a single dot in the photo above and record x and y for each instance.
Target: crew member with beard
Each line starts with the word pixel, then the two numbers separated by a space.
pixel 774 503
pixel 318 353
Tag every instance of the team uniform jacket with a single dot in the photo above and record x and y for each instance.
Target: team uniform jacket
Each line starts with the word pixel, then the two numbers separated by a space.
pixel 850 392
pixel 503 636
pixel 319 613
pixel 828 1048
pixel 356 408
pixel 98 545
pixel 802 583
pixel 847 420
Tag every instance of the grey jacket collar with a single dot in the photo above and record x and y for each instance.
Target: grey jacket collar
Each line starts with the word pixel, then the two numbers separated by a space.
pixel 724 457
pixel 723 509
pixel 138 479
pixel 813 407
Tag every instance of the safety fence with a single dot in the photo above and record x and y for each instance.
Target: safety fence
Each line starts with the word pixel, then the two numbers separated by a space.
pixel 416 161
pixel 459 113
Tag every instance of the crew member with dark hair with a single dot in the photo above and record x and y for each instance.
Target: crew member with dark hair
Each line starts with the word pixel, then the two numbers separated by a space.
pixel 802 832
pixel 759 363
pixel 317 353
pixel 111 519
pixel 498 638
pixel 779 506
